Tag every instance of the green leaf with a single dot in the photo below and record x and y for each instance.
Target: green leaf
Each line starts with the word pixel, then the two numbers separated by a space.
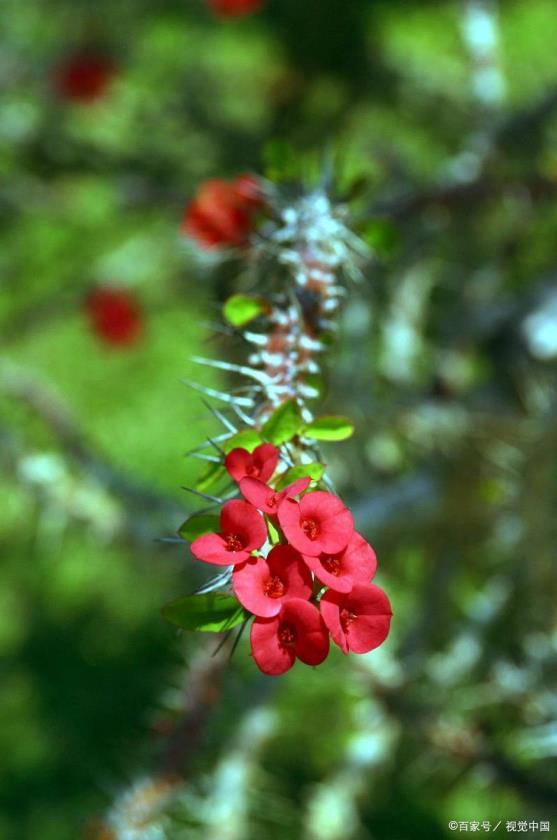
pixel 281 162
pixel 315 472
pixel 382 236
pixel 284 423
pixel 210 476
pixel 198 524
pixel 248 439
pixel 210 613
pixel 329 428
pixel 239 310
pixel 274 535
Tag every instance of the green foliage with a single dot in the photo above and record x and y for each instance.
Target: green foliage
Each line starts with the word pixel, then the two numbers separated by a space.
pixel 210 613
pixel 197 525
pixel 239 310
pixel 284 424
pixel 315 471
pixel 247 439
pixel 330 428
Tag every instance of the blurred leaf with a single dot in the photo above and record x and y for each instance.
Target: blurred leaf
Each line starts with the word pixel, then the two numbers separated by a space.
pixel 210 476
pixel 330 428
pixel 284 423
pixel 210 613
pixel 198 524
pixel 247 439
pixel 382 236
pixel 315 472
pixel 239 310
pixel 281 161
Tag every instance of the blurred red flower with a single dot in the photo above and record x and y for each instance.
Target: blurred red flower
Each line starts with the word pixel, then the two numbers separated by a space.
pixel 84 77
pixel 114 316
pixel 222 212
pixel 235 8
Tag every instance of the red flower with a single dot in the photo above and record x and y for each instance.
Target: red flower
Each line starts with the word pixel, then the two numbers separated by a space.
pixel 84 77
pixel 356 564
pixel 114 316
pixel 235 8
pixel 242 530
pixel 261 463
pixel 222 213
pixel 318 524
pixel 297 632
pixel 262 586
pixel 358 621
pixel 265 498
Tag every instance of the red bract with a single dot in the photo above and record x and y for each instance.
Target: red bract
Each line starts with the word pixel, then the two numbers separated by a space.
pixel 318 524
pixel 356 564
pixel 84 77
pixel 265 498
pixel 242 530
pixel 114 316
pixel 234 8
pixel 297 632
pixel 262 586
pixel 358 621
pixel 261 463
pixel 221 213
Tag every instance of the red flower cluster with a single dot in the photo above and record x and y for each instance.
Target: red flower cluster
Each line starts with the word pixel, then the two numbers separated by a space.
pixel 114 316
pixel 84 77
pixel 222 213
pixel 317 547
pixel 234 8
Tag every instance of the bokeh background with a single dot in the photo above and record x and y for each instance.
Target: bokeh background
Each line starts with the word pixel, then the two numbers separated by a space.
pixel 445 113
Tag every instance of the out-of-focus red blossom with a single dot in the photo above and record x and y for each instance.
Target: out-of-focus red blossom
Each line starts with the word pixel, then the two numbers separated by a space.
pixel 359 620
pixel 297 632
pixel 234 8
pixel 266 499
pixel 84 77
pixel 115 316
pixel 221 214
pixel 261 463
pixel 242 530
pixel 263 585
pixel 356 564
pixel 318 524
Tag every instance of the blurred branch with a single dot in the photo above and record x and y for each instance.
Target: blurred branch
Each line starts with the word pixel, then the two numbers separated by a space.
pixel 26 389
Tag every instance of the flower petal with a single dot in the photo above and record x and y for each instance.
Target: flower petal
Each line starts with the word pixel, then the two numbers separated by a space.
pixel 248 583
pixel 312 640
pixel 270 655
pixel 211 548
pixel 330 610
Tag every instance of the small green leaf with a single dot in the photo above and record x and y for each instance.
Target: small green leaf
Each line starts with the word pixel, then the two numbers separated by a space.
pixel 281 162
pixel 210 613
pixel 210 476
pixel 329 428
pixel 284 423
pixel 198 524
pixel 239 310
pixel 248 439
pixel 274 535
pixel 315 472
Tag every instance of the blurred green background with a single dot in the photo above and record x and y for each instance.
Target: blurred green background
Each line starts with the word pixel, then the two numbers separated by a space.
pixel 447 113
